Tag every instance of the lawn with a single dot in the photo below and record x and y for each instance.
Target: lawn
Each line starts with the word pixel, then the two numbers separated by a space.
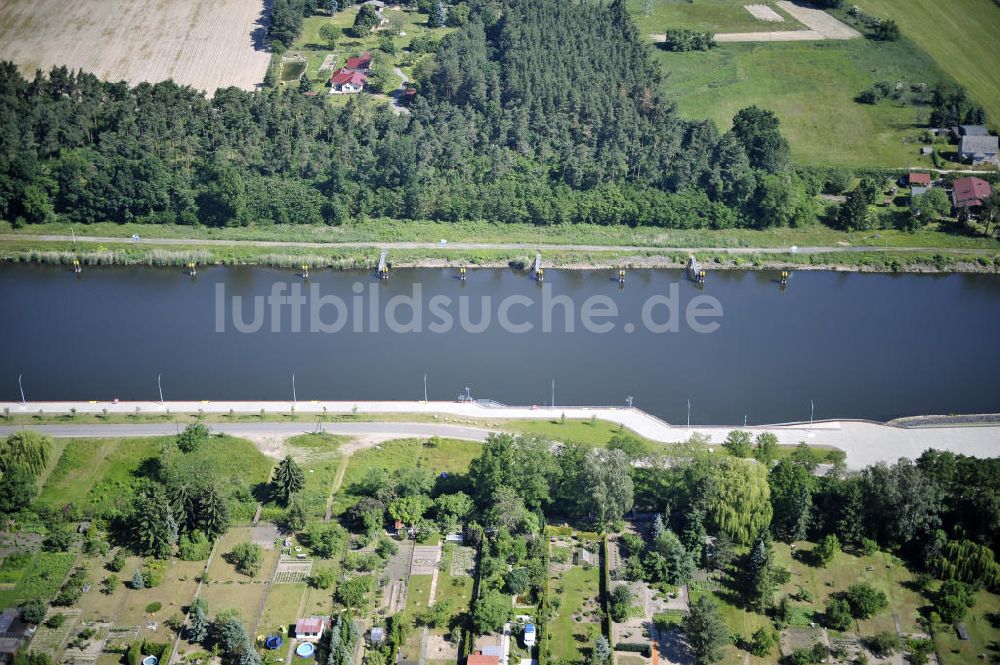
pixel 983 623
pixel 99 475
pixel 449 455
pixel 570 634
pixel 281 610
pixel 960 35
pixel 706 15
pixel 811 86
pixel 594 434
pixel 317 455
pixel 881 570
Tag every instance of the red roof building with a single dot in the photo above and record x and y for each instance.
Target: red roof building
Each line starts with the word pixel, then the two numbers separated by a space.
pixel 920 179
pixel 346 80
pixel 360 63
pixel 969 192
pixel 480 659
pixel 310 629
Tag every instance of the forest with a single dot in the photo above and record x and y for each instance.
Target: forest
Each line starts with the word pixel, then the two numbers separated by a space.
pixel 504 127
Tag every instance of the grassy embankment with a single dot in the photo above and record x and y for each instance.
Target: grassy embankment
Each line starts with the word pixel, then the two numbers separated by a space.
pixel 606 247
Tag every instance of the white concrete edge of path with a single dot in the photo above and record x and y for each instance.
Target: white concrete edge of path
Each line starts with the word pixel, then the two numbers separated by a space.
pixel 864 442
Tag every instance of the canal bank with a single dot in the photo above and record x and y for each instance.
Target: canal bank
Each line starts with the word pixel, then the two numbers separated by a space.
pixel 175 252
pixel 864 442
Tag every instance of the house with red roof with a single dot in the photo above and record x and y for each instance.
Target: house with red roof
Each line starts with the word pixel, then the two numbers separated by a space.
pixel 352 77
pixel 920 179
pixel 310 629
pixel 969 192
pixel 347 81
pixel 361 63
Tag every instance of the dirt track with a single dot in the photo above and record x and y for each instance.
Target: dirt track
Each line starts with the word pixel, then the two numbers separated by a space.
pixel 203 43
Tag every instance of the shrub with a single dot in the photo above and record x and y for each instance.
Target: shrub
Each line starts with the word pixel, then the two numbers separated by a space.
pixel 247 557
pixel 33 611
pixel 152 573
pixel 117 562
pixel 635 647
pixel 153 608
pixel 321 579
pixel 194 546
pixel 680 39
pixel 56 621
pixel 865 600
pixel 882 644
pixel 838 614
pixel 192 437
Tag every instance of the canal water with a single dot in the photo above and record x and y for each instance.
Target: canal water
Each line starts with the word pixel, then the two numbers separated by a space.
pixel 855 345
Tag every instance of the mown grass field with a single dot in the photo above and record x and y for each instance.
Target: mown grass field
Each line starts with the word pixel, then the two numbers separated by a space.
pixel 449 455
pixel 706 15
pixel 963 37
pixel 811 86
pixel 99 475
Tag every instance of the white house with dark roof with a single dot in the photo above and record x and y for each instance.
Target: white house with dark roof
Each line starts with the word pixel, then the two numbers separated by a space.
pixel 979 149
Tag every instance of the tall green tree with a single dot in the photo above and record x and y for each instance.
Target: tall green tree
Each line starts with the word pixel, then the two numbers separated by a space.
pixel 152 525
pixel 706 631
pixel 288 479
pixel 791 497
pixel 758 131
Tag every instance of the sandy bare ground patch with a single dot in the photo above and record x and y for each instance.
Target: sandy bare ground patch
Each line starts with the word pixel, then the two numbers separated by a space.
pixel 764 13
pixel 818 20
pixel 206 44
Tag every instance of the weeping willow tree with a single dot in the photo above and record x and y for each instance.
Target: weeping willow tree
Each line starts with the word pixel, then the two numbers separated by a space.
pixel 25 450
pixel 738 500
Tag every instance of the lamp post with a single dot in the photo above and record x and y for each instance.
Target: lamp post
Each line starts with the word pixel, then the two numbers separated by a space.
pixel 159 386
pixel 689 413
pixel 553 393
pixel 294 400
pixel 23 402
pixel 425 386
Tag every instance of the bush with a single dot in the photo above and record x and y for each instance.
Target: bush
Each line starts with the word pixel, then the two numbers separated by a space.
pixel 321 579
pixel 192 437
pixel 152 573
pixel 680 39
pixel 247 557
pixel 635 647
pixel 194 546
pixel 762 642
pixel 33 612
pixel 56 621
pixel 153 608
pixel 883 644
pixel 117 562
pixel 865 600
pixel 838 614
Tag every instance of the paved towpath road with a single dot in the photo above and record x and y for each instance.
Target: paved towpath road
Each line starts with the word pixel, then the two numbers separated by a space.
pixel 864 442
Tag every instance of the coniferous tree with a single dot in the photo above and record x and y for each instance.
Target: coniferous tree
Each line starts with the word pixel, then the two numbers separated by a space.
pixel 288 479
